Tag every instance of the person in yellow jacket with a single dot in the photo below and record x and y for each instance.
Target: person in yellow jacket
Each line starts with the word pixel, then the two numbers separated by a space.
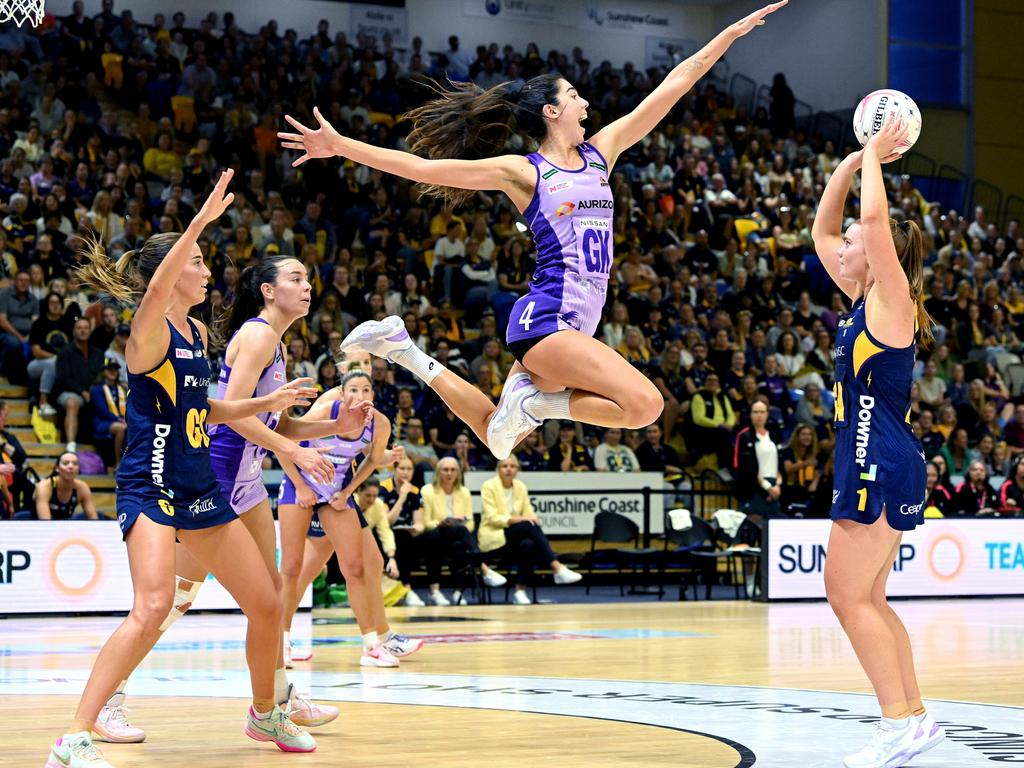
pixel 509 526
pixel 447 519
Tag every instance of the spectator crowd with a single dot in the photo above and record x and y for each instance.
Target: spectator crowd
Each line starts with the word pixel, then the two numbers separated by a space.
pixel 112 127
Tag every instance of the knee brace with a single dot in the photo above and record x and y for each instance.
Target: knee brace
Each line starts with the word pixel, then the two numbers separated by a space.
pixel 183 599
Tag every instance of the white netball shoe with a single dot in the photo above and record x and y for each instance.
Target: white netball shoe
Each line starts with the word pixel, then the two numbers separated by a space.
pixel 378 337
pixel 511 421
pixel 932 734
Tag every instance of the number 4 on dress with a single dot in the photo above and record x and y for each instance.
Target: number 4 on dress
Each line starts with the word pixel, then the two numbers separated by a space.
pixel 526 319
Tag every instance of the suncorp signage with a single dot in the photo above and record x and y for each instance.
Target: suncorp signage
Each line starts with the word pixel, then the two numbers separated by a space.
pixel 975 556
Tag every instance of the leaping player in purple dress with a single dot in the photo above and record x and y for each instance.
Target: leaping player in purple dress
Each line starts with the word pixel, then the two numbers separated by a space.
pixel 562 190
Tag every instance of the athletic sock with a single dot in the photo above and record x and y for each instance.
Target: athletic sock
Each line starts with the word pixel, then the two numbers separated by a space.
pixel 260 715
pixel 418 362
pixel 387 636
pixel 549 405
pixel 896 724
pixel 280 685
pixel 370 640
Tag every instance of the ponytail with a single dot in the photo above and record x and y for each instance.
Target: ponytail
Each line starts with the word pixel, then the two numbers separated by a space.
pixel 909 242
pixel 249 299
pixel 467 122
pixel 124 280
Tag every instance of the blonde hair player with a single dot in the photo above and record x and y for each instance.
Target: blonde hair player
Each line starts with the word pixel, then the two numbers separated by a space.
pixel 179 496
pixel 562 371
pixel 879 487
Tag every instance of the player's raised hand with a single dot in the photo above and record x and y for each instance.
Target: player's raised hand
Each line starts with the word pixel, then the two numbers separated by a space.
pixel 295 392
pixel 353 415
pixel 219 200
pixel 891 136
pixel 756 19
pixel 320 142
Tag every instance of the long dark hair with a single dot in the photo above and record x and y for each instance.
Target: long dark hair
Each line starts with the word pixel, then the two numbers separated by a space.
pixel 907 238
pixel 469 123
pixel 124 280
pixel 249 298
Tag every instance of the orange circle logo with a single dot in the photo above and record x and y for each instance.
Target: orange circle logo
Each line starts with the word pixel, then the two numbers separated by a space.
pixel 69 545
pixel 946 557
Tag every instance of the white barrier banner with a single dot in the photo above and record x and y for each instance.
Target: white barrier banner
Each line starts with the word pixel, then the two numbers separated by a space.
pixel 378 20
pixel 572 513
pixel 547 11
pixel 67 566
pixel 954 557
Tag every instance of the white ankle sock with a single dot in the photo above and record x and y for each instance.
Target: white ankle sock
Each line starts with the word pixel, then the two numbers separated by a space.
pixel 280 685
pixel 370 640
pixel 897 725
pixel 261 715
pixel 549 405
pixel 387 636
pixel 419 362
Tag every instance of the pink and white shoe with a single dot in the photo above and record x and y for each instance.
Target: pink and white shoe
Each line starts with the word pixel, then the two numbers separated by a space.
pixel 378 656
pixel 400 646
pixel 112 724
pixel 306 713
pixel 278 728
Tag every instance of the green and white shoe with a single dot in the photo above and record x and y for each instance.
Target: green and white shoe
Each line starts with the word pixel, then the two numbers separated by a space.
pixel 278 728
pixel 75 750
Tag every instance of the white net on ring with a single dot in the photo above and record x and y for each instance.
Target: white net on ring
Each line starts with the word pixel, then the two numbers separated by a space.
pixel 20 11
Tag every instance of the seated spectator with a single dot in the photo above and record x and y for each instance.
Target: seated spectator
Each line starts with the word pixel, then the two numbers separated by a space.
pixel 669 377
pixel 78 367
pixel 930 386
pixel 510 529
pixel 18 309
pixel 377 515
pixel 531 455
pixel 757 477
pixel 14 464
pixel 931 439
pixel 470 459
pixel 956 453
pixel 109 401
pixel 974 497
pixel 416 447
pixel 1011 495
pixel 772 383
pixel 59 495
pixel 813 410
pixel 405 515
pixel 612 456
pixel 801 471
pixel 634 349
pixel 568 454
pixel 937 495
pixel 711 421
pixel 984 452
pixel 1013 432
pixel 448 534
pixel 51 332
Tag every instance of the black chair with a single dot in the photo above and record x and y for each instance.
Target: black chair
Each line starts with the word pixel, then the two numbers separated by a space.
pixel 685 544
pixel 613 528
pixel 748 533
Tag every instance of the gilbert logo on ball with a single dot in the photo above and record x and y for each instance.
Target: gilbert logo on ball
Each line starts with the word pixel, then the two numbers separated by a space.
pixel 877 107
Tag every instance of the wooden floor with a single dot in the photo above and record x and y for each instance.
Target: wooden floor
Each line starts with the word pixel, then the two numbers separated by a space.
pixel 680 684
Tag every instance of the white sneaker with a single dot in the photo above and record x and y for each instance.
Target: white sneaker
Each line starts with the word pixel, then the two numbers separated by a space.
pixel 401 646
pixel 46 410
pixel 567 576
pixel 511 421
pixel 75 750
pixel 112 723
pixel 494 579
pixel 437 598
pixel 931 734
pixel 457 597
pixel 519 597
pixel 378 337
pixel 889 747
pixel 412 600
pixel 378 656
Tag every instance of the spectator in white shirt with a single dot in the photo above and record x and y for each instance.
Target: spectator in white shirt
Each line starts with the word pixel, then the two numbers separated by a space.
pixel 612 456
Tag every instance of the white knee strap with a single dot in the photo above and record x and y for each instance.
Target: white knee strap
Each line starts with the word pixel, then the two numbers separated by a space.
pixel 182 597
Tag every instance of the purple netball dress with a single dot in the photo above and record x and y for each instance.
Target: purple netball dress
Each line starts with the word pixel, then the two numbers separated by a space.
pixel 237 463
pixel 571 217
pixel 342 453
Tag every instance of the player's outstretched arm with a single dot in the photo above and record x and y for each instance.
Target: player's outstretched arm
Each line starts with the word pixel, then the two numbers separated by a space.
pixel 623 133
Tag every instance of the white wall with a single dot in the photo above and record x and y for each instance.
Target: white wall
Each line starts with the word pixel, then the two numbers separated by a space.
pixel 833 52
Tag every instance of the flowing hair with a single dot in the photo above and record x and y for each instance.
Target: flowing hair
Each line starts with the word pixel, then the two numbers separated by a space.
pixel 466 122
pixel 124 280
pixel 907 238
